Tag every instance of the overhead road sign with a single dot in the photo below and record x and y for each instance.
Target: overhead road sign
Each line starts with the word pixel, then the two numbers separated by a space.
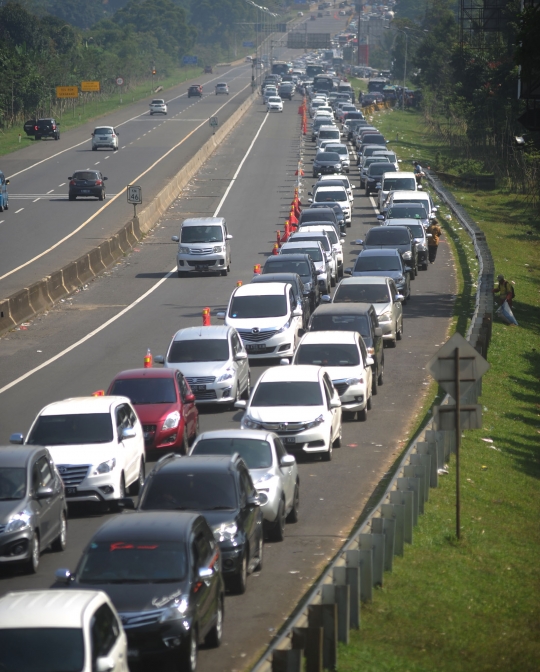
pixel 90 86
pixel 190 60
pixel 67 91
pixel 303 40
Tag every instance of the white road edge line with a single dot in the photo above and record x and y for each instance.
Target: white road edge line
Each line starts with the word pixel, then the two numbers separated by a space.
pixel 19 210
pixel 141 298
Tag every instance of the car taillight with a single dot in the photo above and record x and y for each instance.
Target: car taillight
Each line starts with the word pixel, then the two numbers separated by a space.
pixel 72 183
pixel 54 127
pixel 35 128
pixel 99 183
pixel 113 135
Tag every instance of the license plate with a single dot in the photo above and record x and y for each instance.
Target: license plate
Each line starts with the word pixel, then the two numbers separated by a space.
pixel 85 191
pixel 71 491
pixel 290 439
pixel 258 346
pixel 198 388
pixel 201 267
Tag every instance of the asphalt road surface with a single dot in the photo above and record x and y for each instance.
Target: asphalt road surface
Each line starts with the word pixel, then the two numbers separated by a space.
pixel 80 344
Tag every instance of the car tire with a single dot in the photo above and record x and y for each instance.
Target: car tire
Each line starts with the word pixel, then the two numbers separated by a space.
pixel 247 392
pixel 260 556
pixel 238 582
pixel 60 543
pixel 101 197
pixel 184 448
pixel 293 515
pixel 224 272
pixel 327 457
pixel 369 402
pixel 72 197
pixel 32 564
pixel 136 486
pixel 181 274
pixel 361 416
pixel 94 149
pixel 188 653
pixel 399 334
pixel 276 532
pixel 195 432
pixel 38 137
pixel 338 441
pixel 374 382
pixel 391 343
pixel 1 208
pixel 214 636
pixel 380 379
pixel 332 281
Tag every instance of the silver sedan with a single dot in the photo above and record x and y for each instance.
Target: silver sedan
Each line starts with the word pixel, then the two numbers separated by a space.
pixel 274 472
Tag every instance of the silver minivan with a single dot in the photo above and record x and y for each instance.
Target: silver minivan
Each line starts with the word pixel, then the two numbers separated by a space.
pixel 203 246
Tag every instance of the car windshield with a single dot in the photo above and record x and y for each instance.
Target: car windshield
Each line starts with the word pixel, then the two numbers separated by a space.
pixel 200 350
pixel 83 175
pixel 314 252
pixel 146 390
pixel 337 195
pixel 312 216
pixel 390 157
pixel 42 649
pixel 328 156
pixel 323 240
pixel 103 131
pixel 395 183
pixel 137 561
pixel 158 101
pixel 287 393
pixel 387 236
pixel 274 99
pixel 377 263
pixel 324 322
pixel 355 293
pixel 72 429
pixel 202 234
pixel 328 354
pixel 339 150
pixel 12 483
pixel 375 159
pixel 380 167
pixel 190 491
pixel 328 134
pixel 373 140
pixel 256 454
pixel 411 212
pixel 286 266
pixel 421 202
pixel 266 305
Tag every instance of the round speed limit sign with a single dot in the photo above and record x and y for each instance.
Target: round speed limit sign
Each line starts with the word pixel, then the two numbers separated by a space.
pixel 119 81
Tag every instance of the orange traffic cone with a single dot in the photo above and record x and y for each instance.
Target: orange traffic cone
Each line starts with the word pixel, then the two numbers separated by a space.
pixel 98 393
pixel 293 219
pixel 287 233
pixel 148 360
pixel 275 251
pixel 278 238
pixel 206 317
pixel 257 269
pixel 239 283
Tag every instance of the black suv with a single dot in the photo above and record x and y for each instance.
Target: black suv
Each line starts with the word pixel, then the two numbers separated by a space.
pixel 302 265
pixel 398 238
pixel 220 489
pixel 46 128
pixel 162 572
pixel 374 175
pixel 86 183
pixel 360 317
pixel 195 90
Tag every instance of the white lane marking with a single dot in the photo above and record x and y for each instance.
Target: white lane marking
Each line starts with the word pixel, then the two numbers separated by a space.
pixel 106 158
pixel 137 301
pixel 375 205
pixel 97 163
pixel 123 146
pixel 19 210
pixel 111 200
pixel 63 183
pixel 37 199
pixel 50 192
pixel 2 221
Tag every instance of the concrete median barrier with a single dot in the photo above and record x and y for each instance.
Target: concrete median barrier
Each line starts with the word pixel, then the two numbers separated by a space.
pixel 55 286
pixel 39 296
pixel 20 308
pixel 70 277
pixel 6 322
pixel 84 271
pixel 95 261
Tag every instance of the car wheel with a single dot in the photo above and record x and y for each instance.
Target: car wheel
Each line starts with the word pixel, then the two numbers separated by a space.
pixel 195 432
pixel 136 487
pixel 340 271
pixel 94 149
pixel 1 208
pixel 260 551
pixel 32 564
pixel 369 402
pixel 238 582
pixel 374 386
pixel 38 137
pixel 188 653
pixel 399 334
pixel 337 442
pixel 293 513
pixel 101 196
pixel 213 638
pixel 184 448
pixel 391 343
pixel 247 391
pixel 182 274
pixel 224 272
pixel 72 197
pixel 380 379
pixel 332 281
pixel 362 415
pixel 327 457
pixel 278 527
pixel 59 544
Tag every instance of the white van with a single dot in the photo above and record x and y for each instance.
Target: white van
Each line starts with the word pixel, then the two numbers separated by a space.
pixel 395 197
pixel 203 246
pixel 400 181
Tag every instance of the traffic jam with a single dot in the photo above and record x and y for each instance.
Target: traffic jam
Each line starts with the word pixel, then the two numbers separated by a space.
pixel 193 528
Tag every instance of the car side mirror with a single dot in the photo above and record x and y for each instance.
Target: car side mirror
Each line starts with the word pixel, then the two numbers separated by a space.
pixel 358 241
pixel 17 439
pixel 310 200
pixel 241 404
pixel 419 187
pixel 253 501
pixel 240 356
pixel 370 361
pixel 63 575
pixel 398 298
pixel 429 235
pixel 287 461
pixel 310 193
pixel 228 237
pixel 44 493
pixel 175 239
pixel 159 359
pixel 342 241
pixel 378 332
pixel 220 315
pixel 348 271
pixel 128 433
pixel 206 572
pixel 284 362
pixel 297 312
pixel 353 186
pixel 105 664
pixel 190 398
pixel 335 403
pixel 91 135
pixel 7 181
pixel 380 218
pixel 326 298
pixel 70 177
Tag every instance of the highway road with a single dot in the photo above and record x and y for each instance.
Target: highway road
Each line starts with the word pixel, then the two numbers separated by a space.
pixel 80 344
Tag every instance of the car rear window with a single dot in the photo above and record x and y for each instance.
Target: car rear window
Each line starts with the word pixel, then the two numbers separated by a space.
pixel 85 175
pixel 380 167
pixel 256 454
pixel 325 322
pixel 103 131
pixel 314 252
pixel 145 390
pixel 190 491
pixel 329 134
pixel 286 266
pixel 413 212
pixel 328 156
pixel 200 350
pixel 72 429
pixel 323 240
pixel 287 393
pixel 266 305
pixel 364 264
pixel 417 230
pixel 396 183
pixel 356 293
pixel 387 236
pixel 337 195
pixel 373 139
pixel 328 354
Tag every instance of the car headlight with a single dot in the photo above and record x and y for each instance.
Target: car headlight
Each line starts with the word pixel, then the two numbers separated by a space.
pixel 217 249
pixel 385 317
pixel 400 280
pixel 176 611
pixel 263 479
pixel 355 381
pixel 227 375
pixel 184 250
pixel 318 421
pixel 250 423
pixel 307 286
pixel 20 521
pixel 284 327
pixel 337 165
pixel 225 532
pixel 105 467
pixel 171 421
pixel 407 256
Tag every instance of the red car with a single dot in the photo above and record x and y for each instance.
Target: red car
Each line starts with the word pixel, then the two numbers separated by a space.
pixel 165 405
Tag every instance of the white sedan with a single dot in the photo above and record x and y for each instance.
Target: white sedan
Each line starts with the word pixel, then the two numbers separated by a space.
pixel 274 103
pixel 299 404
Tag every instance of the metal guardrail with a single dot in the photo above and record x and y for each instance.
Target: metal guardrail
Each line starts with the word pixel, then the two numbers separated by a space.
pixel 332 606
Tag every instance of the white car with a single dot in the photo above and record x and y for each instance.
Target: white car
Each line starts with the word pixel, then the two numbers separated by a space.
pixel 158 106
pixel 337 243
pixel 318 256
pixel 104 137
pixel 267 317
pixel 320 236
pixel 269 92
pixel 343 151
pixel 420 197
pixel 344 356
pixel 78 629
pixel 299 404
pixel 395 181
pixel 381 292
pixel 274 103
pixel 340 178
pixel 327 133
pixel 96 443
pixel 338 194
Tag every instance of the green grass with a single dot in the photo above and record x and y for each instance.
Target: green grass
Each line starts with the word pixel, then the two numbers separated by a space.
pixel 473 605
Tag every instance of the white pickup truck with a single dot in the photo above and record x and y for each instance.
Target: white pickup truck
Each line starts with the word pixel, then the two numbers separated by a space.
pixel 158 106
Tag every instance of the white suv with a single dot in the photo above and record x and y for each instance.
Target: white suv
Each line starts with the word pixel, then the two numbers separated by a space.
pixel 96 443
pixel 338 194
pixel 158 106
pixel 337 243
pixel 104 136
pixel 78 630
pixel 203 246
pixel 267 318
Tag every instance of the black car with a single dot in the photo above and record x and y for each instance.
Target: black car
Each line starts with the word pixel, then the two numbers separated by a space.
pixel 372 179
pixel 302 265
pixel 337 210
pixel 33 509
pixel 386 262
pixel 351 124
pixel 321 212
pixel 360 317
pixel 398 238
pixel 87 183
pixel 220 489
pixel 326 162
pixel 286 90
pixel 195 90
pixel 46 128
pixel 301 294
pixel 162 573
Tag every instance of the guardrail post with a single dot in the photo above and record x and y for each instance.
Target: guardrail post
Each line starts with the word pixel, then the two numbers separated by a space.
pixel 397 513
pixel 288 660
pixel 375 542
pixel 325 616
pixel 350 576
pixel 440 439
pixel 339 595
pixel 423 461
pixel 366 575
pixel 411 471
pixel 430 448
pixel 404 498
pixel 386 527
pixel 412 484
pixel 310 640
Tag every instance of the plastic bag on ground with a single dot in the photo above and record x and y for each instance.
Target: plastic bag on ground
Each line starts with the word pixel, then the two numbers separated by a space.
pixel 506 314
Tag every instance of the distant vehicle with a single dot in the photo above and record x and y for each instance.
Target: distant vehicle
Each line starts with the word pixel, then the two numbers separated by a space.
pixel 222 87
pixel 158 106
pixel 4 196
pixel 105 136
pixel 47 128
pixel 376 85
pixel 323 83
pixel 203 246
pixel 280 68
pixel 86 183
pixel 195 90
pixel 313 70
pixel 274 103
pixel 208 70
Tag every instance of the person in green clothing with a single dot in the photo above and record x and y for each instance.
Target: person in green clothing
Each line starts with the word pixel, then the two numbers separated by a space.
pixel 505 290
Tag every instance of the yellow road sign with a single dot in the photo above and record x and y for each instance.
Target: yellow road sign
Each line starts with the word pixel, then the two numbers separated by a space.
pixel 67 91
pixel 90 86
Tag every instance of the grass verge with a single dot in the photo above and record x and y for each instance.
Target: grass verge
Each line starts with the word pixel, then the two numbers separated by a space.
pixel 473 605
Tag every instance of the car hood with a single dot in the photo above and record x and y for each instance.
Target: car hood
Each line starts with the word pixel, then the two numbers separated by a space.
pixel 382 274
pixel 135 597
pixel 9 508
pixel 152 413
pixel 342 372
pixel 280 414
pixel 400 248
pixel 321 162
pixel 88 453
pixel 381 308
pixel 261 323
pixel 200 369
